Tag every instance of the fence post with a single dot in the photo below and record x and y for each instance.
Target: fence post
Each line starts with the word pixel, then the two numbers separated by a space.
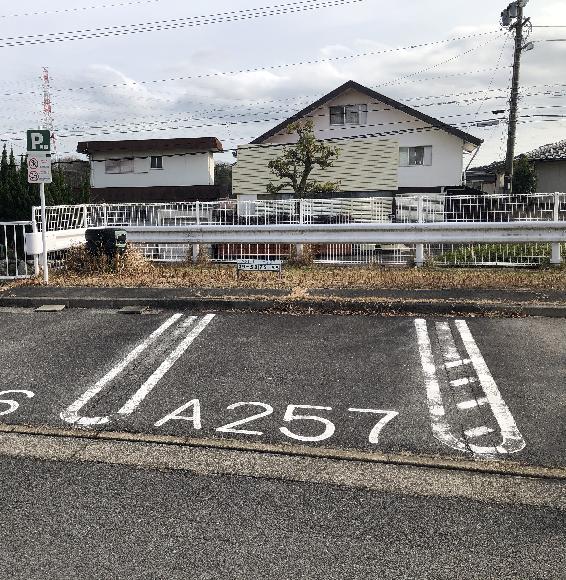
pixel 556 258
pixel 105 215
pixel 420 247
pixel 196 247
pixel 85 217
pixel 35 256
pixel 299 248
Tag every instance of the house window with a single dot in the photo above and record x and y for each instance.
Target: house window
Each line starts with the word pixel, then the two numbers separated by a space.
pixel 156 162
pixel 119 165
pixel 409 156
pixel 349 115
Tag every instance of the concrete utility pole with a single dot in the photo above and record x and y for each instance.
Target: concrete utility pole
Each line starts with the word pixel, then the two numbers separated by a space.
pixel 514 12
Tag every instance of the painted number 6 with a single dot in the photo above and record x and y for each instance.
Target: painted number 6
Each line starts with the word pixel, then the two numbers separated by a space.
pixel 290 415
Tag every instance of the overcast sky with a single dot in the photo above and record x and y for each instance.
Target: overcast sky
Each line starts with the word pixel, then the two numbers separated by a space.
pixel 149 83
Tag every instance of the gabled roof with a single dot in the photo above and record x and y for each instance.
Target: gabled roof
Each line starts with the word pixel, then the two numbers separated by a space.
pixel 144 145
pixel 374 95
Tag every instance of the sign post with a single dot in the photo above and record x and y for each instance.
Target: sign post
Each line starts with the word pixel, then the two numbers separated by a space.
pixel 39 171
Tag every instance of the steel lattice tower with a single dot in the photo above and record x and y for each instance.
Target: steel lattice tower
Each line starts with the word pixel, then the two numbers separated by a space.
pixel 48 122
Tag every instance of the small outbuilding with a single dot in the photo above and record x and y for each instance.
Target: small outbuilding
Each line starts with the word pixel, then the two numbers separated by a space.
pixel 152 170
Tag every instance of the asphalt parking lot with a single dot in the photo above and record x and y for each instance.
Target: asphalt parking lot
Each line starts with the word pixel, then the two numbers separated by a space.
pixel 475 388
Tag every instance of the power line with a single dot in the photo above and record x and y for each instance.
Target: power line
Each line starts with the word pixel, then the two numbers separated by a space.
pixel 436 65
pixel 425 129
pixel 78 9
pixel 268 67
pixel 248 14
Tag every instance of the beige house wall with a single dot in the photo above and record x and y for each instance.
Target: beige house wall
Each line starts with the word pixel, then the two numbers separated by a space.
pixel 369 164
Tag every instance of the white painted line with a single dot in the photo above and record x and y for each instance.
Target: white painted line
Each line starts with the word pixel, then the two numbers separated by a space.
pixel 512 439
pixel 463 382
pixel 440 428
pixel 449 350
pixel 472 404
pixel 164 367
pixel 70 414
pixel 457 363
pixel 478 432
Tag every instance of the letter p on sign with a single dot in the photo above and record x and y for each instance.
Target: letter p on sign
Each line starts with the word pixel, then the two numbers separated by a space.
pixel 39 140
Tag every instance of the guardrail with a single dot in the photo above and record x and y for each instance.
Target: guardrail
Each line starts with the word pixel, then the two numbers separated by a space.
pixel 449 229
pixel 431 233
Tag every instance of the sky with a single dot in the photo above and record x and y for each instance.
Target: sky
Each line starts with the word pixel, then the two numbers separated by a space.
pixel 143 69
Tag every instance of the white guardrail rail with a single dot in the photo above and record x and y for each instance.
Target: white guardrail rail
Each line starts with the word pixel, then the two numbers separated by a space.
pixel 456 228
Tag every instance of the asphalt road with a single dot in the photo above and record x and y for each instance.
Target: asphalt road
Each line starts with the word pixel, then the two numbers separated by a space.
pixel 74 520
pixel 472 388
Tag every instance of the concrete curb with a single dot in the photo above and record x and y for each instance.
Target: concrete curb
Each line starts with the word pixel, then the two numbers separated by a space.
pixel 327 305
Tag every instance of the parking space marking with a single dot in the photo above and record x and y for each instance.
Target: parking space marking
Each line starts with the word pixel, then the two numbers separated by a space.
pixel 463 382
pixel 132 404
pixel 472 403
pixel 457 363
pixel 512 440
pixel 478 432
pixel 71 414
pixel 440 427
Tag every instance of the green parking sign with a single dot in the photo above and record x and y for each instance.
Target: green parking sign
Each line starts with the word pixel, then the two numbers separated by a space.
pixel 39 140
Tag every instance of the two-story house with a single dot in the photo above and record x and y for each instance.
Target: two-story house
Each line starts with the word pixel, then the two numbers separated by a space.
pixel 385 147
pixel 152 170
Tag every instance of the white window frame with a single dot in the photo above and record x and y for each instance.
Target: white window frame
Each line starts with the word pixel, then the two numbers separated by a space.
pixel 408 156
pixel 160 162
pixel 361 110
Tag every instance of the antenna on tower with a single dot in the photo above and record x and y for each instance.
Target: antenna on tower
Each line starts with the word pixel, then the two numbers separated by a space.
pixel 47 108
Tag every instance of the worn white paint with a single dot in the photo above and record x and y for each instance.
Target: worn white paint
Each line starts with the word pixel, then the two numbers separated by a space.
pixel 181 168
pixel 70 415
pixel 472 403
pixel 512 439
pixel 13 405
pixel 457 363
pixel 195 418
pixel 478 432
pixel 440 428
pixel 131 405
pixel 463 382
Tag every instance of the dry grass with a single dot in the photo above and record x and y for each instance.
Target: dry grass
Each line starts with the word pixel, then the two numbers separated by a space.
pixel 134 271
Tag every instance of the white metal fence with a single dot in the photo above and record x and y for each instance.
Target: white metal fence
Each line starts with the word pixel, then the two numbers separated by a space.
pixel 403 209
pixel 14 262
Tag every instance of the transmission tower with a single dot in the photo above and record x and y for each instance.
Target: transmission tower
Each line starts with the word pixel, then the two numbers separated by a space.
pixel 47 108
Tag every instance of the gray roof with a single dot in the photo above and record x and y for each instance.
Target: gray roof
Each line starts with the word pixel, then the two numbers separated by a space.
pixel 550 152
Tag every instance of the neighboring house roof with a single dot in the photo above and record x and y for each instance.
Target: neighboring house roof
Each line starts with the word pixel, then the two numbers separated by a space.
pixel 550 152
pixel 143 145
pixel 374 95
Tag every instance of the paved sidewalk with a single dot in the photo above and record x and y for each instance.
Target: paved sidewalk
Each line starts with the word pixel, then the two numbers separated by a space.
pixel 388 301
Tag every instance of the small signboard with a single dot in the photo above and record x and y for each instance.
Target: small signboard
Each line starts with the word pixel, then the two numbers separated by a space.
pixel 39 168
pixel 39 141
pixel 249 265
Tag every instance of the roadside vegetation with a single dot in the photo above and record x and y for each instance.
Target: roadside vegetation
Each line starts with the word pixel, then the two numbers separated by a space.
pixel 133 270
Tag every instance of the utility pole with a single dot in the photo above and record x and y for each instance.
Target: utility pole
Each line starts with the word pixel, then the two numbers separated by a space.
pixel 513 18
